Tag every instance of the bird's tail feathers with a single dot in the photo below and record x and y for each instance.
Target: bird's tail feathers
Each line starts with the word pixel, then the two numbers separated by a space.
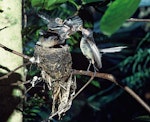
pixel 45 18
pixel 113 49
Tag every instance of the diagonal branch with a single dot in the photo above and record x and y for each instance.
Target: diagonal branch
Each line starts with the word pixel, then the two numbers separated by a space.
pixel 8 74
pixel 138 20
pixel 14 52
pixel 80 90
pixel 112 79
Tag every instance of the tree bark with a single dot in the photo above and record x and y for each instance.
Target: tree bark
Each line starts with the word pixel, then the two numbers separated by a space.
pixel 10 36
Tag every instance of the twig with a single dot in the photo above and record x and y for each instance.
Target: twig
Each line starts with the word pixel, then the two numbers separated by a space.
pixel 99 75
pixel 138 20
pixel 85 85
pixel 137 98
pixel 3 28
pixel 80 90
pixel 112 79
pixel 15 52
pixel 8 74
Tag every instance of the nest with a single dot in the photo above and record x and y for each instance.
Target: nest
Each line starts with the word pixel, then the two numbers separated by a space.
pixel 56 70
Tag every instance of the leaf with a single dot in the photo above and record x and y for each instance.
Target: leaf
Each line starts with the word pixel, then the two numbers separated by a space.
pixel 116 14
pixel 144 118
pixel 95 83
pixel 47 4
pixel 51 2
pixel 135 79
pixel 35 110
pixel 37 2
pixel 91 1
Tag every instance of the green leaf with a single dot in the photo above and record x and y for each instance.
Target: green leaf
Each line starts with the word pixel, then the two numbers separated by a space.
pixel 116 14
pixel 144 118
pixel 51 2
pixel 91 1
pixel 47 4
pixel 61 1
pixel 95 83
pixel 37 2
pixel 35 109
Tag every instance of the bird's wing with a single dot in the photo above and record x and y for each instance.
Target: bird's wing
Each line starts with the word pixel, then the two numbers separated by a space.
pixel 45 19
pixel 53 25
pixel 74 20
pixel 96 53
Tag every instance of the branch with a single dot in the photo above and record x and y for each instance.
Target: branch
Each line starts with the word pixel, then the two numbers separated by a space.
pixel 3 28
pixel 138 20
pixel 81 72
pixel 99 75
pixel 8 74
pixel 112 79
pixel 14 52
pixel 85 85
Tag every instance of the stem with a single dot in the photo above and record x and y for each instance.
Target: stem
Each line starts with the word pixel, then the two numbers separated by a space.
pixel 6 76
pixel 138 20
pixel 137 98
pixel 89 81
pixel 99 75
pixel 112 79
pixel 14 52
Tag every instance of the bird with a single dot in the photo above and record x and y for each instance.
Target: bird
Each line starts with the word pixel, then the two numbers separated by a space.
pixel 52 23
pixel 90 50
pixel 51 41
pixel 75 23
pixel 48 39
pixel 65 28
pixel 55 35
pixel 60 26
pixel 56 26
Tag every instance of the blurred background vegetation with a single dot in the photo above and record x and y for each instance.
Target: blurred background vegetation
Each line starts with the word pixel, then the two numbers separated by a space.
pixel 101 101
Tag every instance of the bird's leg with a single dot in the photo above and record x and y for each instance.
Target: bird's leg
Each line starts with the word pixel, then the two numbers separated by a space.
pixel 95 69
pixel 88 69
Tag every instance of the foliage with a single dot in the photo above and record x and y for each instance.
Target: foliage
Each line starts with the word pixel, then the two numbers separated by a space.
pixel 145 118
pixel 101 100
pixel 47 4
pixel 117 12
pixel 36 108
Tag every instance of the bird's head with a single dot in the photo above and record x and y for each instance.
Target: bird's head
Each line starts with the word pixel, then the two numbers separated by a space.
pixel 55 24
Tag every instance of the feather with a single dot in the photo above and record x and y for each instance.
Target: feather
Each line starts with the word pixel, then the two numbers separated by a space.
pixel 112 49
